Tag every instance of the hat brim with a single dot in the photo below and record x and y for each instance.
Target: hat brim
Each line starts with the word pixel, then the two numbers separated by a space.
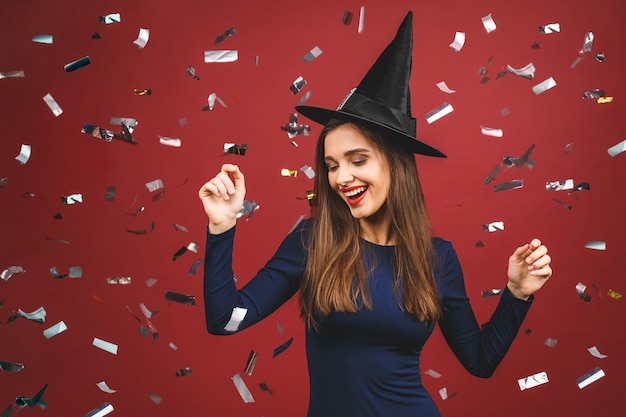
pixel 408 142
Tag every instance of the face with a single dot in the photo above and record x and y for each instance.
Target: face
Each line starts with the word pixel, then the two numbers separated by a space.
pixel 357 171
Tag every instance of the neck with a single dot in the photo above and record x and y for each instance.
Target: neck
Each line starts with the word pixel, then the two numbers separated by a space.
pixel 377 231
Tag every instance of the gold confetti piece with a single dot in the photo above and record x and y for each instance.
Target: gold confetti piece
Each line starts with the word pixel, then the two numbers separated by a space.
pixel 140 92
pixel 603 100
pixel 289 172
pixel 614 294
pixel 98 299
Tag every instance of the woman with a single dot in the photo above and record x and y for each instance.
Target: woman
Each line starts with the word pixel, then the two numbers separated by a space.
pixel 373 282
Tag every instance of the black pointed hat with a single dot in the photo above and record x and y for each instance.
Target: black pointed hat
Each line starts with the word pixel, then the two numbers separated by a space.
pixel 382 99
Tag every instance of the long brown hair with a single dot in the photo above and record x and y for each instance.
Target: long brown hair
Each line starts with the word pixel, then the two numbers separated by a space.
pixel 335 278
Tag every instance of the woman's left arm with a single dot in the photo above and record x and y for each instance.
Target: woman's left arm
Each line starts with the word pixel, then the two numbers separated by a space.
pixel 480 350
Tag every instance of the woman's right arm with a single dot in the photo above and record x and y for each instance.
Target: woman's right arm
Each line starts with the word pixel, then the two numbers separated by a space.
pixel 227 309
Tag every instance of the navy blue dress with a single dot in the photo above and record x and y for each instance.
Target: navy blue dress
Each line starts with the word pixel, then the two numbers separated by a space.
pixel 365 363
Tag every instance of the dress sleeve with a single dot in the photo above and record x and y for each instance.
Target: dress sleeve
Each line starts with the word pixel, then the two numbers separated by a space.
pixel 228 310
pixel 479 350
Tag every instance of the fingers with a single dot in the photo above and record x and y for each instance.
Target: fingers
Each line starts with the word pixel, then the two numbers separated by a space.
pixel 222 184
pixel 537 258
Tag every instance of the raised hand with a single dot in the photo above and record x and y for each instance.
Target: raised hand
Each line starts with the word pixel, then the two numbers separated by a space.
pixel 529 269
pixel 222 198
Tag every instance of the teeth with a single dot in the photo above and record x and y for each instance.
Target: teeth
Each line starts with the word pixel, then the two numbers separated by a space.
pixel 354 192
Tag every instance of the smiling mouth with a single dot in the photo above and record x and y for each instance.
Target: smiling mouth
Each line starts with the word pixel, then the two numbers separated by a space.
pixel 355 195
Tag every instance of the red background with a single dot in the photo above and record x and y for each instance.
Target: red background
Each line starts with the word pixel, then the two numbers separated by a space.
pixel 65 161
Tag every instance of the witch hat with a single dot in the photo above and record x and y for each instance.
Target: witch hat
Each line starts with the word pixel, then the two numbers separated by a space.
pixel 383 100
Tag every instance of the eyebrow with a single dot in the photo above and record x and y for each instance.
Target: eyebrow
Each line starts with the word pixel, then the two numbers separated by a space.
pixel 348 153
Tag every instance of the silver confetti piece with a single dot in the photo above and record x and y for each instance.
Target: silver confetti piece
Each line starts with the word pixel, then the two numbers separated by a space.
pixel 491 293
pixel 24 155
pixel 183 371
pixel 236 318
pixel 550 28
pixel 128 121
pixel 119 280
pixel 312 54
pixel 249 207
pixel 54 330
pixel 544 86
pixel 297 85
pixel 72 199
pixel 154 185
pixel 142 38
pixel 243 390
pixel 251 363
pixel 11 367
pixel 560 185
pixel 100 411
pixel 308 171
pixel 104 345
pixel 228 33
pixel 155 398
pixel 432 373
pixel 97 132
pixel 193 269
pixel 493 227
pixel 221 56
pixel 53 105
pixel 38 315
pixel 439 112
pixel 509 185
pixel 550 342
pixel 596 245
pixel 12 74
pixel 110 18
pixel 458 42
pixel 590 377
pixel 8 273
pixel 617 149
pixel 110 194
pixel 526 72
pixel 488 23
pixel 532 381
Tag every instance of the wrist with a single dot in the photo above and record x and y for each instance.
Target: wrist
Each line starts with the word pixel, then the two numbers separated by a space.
pixel 218 228
pixel 517 292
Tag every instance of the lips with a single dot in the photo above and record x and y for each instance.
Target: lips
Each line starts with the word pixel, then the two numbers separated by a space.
pixel 354 195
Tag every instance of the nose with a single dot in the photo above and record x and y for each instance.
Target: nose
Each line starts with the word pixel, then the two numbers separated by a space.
pixel 344 175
